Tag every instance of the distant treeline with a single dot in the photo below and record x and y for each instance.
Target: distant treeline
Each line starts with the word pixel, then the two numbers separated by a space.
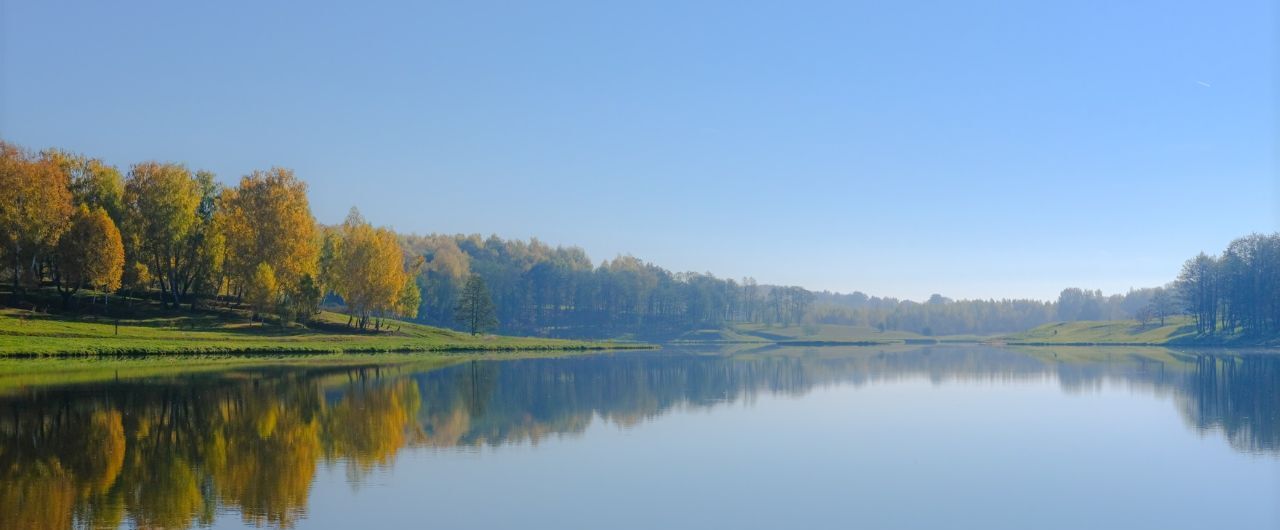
pixel 940 315
pixel 539 289
pixel 544 290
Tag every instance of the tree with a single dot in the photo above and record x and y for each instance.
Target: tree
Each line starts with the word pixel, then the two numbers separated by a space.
pixel 1162 305
pixel 1144 314
pixel 93 183
pixel 161 202
pixel 1198 287
pixel 89 254
pixel 267 218
pixel 475 307
pixel 750 300
pixel 445 270
pixel 261 289
pixel 137 277
pixel 410 298
pixel 368 269
pixel 327 272
pixel 36 210
pixel 206 246
pixel 309 295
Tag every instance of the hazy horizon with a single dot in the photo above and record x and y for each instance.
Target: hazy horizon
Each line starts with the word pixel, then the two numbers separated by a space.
pixel 976 151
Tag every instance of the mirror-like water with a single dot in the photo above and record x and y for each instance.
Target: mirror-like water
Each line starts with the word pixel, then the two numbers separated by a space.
pixel 954 436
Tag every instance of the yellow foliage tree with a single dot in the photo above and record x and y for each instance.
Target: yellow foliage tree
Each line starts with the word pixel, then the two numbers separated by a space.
pixel 161 201
pixel 93 183
pixel 206 246
pixel 37 209
pixel 369 270
pixel 137 277
pixel 262 288
pixel 267 219
pixel 90 254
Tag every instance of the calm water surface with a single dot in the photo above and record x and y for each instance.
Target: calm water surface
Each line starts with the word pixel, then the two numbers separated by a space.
pixel 962 436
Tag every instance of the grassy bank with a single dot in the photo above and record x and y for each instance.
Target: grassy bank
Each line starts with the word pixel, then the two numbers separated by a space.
pixel 37 334
pixel 1176 331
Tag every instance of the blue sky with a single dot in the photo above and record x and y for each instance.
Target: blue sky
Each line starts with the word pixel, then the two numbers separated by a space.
pixel 975 149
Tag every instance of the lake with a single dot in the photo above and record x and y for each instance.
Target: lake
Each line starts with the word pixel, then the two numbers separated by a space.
pixel 960 436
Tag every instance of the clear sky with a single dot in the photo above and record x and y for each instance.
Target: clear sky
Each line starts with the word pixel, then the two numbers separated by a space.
pixel 975 149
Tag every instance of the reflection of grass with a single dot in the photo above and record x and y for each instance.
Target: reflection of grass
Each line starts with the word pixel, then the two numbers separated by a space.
pixel 837 333
pixel 719 335
pixel 772 350
pixel 1107 332
pixel 23 332
pixel 1095 354
pixel 17 374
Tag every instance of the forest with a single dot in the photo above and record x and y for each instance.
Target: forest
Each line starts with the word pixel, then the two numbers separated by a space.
pixel 556 291
pixel 177 238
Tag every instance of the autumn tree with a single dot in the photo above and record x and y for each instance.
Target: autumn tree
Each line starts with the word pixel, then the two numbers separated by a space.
pixel 161 201
pixel 137 277
pixel 90 254
pixel 261 289
pixel 368 269
pixel 267 220
pixel 92 182
pixel 205 247
pixel 475 307
pixel 36 211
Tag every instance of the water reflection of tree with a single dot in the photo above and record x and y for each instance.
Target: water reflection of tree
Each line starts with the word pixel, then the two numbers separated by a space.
pixel 1239 396
pixel 371 423
pixel 169 455
pixel 172 453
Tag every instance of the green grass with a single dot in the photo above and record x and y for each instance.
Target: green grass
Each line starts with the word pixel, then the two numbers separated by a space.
pixel 1175 330
pixel 38 334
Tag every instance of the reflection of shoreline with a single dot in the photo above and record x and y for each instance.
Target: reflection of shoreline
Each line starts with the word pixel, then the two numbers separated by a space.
pixel 173 452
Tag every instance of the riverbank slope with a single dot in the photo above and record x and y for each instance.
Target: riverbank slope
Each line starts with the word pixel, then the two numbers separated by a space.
pixel 26 333
pixel 1176 331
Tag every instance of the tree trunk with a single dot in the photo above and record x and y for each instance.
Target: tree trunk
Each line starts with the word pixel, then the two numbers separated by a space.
pixel 17 274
